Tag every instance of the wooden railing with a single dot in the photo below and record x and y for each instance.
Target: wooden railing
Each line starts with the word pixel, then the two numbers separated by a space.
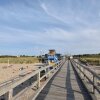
pixel 49 72
pixel 90 78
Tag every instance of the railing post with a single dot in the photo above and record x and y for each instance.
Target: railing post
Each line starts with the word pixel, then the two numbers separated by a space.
pixel 94 84
pixel 38 80
pixel 82 75
pixel 58 64
pixel 78 68
pixel 48 71
pixel 10 94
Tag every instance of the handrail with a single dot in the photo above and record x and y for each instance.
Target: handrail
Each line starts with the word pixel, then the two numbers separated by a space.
pixel 53 71
pixel 13 83
pixel 13 78
pixel 92 72
pixel 95 76
pixel 8 81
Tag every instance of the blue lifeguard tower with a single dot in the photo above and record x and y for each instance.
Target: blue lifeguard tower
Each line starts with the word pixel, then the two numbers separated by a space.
pixel 52 58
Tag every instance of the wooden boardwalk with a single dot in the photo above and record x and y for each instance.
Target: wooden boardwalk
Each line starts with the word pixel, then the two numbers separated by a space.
pixel 65 85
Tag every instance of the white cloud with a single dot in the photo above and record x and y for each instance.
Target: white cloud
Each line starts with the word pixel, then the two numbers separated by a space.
pixel 82 19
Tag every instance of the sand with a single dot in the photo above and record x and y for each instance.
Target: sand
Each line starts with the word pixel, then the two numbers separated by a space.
pixel 13 70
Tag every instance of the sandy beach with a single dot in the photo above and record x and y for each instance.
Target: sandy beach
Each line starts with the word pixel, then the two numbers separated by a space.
pixel 13 70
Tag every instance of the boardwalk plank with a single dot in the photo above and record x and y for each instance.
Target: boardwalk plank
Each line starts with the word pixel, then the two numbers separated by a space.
pixel 64 86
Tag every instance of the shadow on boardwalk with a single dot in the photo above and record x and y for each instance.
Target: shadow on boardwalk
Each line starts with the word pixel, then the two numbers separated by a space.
pixel 71 76
pixel 82 88
pixel 46 89
pixel 70 92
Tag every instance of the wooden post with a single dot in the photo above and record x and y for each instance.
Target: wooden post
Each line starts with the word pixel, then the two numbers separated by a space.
pixel 38 80
pixel 60 64
pixel 94 83
pixel 48 73
pixel 82 76
pixel 78 68
pixel 10 94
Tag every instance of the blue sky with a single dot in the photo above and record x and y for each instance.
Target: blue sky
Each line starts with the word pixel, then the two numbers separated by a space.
pixel 35 26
